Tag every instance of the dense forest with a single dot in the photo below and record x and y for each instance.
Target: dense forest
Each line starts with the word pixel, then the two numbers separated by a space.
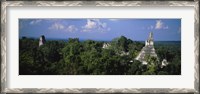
pixel 75 57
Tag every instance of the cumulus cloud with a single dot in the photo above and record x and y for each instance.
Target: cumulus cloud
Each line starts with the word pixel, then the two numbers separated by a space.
pixel 62 27
pixel 56 26
pixel 160 25
pixel 72 28
pixel 33 22
pixel 91 24
pixel 95 25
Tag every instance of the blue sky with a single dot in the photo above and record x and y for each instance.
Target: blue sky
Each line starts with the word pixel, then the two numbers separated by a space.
pixel 102 29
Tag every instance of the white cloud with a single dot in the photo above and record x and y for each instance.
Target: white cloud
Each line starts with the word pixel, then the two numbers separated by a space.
pixel 56 26
pixel 91 24
pixel 61 27
pixel 159 24
pixel 33 22
pixel 95 25
pixel 72 28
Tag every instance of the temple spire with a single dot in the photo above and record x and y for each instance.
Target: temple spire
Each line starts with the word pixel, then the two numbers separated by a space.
pixel 151 35
pixel 149 41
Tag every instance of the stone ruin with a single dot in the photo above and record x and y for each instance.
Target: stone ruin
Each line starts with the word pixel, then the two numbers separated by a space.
pixel 148 49
pixel 42 40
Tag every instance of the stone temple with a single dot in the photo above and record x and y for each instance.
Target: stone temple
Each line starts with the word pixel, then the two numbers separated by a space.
pixel 148 49
pixel 42 40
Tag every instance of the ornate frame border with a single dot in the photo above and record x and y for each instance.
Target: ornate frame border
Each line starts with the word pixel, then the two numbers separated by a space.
pixel 5 4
